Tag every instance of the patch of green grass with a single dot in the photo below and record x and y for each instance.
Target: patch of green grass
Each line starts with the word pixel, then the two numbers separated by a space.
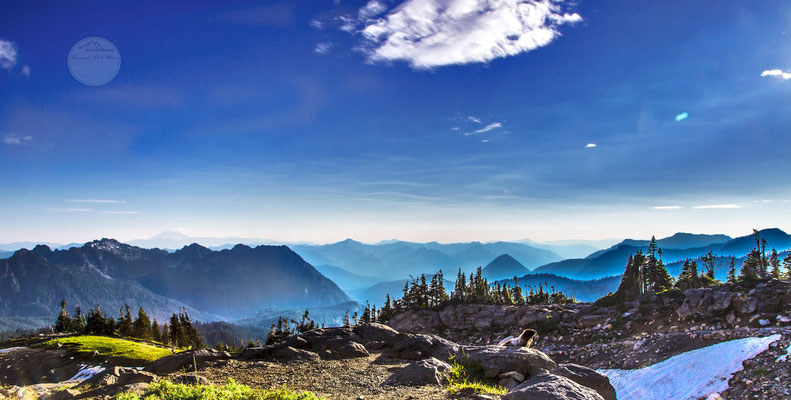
pixel 166 390
pixel 469 376
pixel 127 350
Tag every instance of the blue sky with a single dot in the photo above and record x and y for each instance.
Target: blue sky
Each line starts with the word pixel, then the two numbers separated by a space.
pixel 423 120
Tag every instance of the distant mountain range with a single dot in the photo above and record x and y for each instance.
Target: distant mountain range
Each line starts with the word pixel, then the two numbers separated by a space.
pixel 613 260
pixel 398 260
pixel 225 284
pixel 377 294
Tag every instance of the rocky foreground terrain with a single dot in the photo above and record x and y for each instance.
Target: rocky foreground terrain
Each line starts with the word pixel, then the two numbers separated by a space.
pixel 413 357
pixel 369 361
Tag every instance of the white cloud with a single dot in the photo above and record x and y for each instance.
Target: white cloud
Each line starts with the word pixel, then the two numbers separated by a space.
pixel 590 145
pixel 434 33
pixel 26 71
pixel 455 128
pixel 777 73
pixel 96 201
pixel 120 212
pixel 474 119
pixel 316 24
pixel 667 208
pixel 682 116
pixel 487 128
pixel 323 47
pixel 8 55
pixel 717 206
pixel 485 141
pixel 372 9
pixel 13 139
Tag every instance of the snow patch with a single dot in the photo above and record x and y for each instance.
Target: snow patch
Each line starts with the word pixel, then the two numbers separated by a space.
pixel 10 349
pixel 701 373
pixel 784 357
pixel 86 372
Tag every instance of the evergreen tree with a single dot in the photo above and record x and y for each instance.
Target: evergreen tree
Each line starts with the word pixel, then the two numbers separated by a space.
pixel 732 271
pixel 787 265
pixel 386 312
pixel 688 278
pixel 457 296
pixel 63 322
pixel 774 264
pixel 346 322
pixel 176 334
pixel 518 296
pixel 78 321
pixel 709 261
pixel 366 317
pixel 165 335
pixel 753 269
pixel 306 324
pixel 156 333
pixel 125 322
pixel 141 327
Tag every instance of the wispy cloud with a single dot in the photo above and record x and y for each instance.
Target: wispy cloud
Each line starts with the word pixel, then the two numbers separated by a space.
pixel 372 9
pixel 474 119
pixel 120 212
pixel 667 208
pixel 682 116
pixel 323 47
pixel 13 139
pixel 8 55
pixel 26 71
pixel 69 210
pixel 429 34
pixel 487 128
pixel 96 201
pixel 717 206
pixel 777 73
pixel 591 145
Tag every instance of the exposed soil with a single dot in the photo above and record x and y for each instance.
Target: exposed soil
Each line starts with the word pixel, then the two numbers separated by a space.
pixel 356 378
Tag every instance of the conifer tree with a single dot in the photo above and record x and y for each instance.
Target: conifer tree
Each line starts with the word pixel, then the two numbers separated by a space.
pixel 386 312
pixel 141 327
pixel 518 296
pixel 125 322
pixel 457 296
pixel 78 321
pixel 709 261
pixel 366 317
pixel 787 265
pixel 774 264
pixel 732 271
pixel 346 322
pixel 176 334
pixel 63 323
pixel 156 333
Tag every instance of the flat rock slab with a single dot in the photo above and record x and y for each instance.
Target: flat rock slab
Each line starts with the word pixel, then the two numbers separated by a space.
pixel 497 360
pixel 551 387
pixel 430 371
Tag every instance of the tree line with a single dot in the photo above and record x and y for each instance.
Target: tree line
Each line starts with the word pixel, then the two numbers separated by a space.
pixel 646 273
pixel 422 294
pixel 179 332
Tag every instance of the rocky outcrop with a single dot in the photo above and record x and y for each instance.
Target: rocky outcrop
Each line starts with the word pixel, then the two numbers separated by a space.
pixel 587 377
pixel 551 387
pixel 409 346
pixel 424 372
pixel 730 305
pixel 497 360
pixel 183 360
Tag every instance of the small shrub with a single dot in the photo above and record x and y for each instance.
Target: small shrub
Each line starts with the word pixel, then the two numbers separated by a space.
pixel 470 376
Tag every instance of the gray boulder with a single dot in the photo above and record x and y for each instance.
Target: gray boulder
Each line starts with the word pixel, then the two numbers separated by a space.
pixel 551 387
pixel 376 333
pixel 343 350
pixel 291 354
pixel 587 377
pixel 423 372
pixel 184 360
pixel 417 347
pixel 497 360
